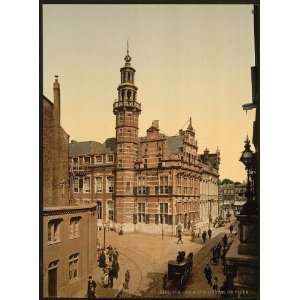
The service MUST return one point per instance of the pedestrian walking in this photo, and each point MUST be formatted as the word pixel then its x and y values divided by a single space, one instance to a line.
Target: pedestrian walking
pixel 215 258
pixel 208 273
pixel 199 233
pixel 91 289
pixel 204 236
pixel 105 278
pixel 102 260
pixel 115 268
pixel 209 233
pixel 179 237
pixel 115 253
pixel 231 228
pixel 127 278
pixel 215 284
pixel 193 235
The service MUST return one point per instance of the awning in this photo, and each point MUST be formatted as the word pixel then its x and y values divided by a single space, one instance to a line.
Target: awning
pixel 239 203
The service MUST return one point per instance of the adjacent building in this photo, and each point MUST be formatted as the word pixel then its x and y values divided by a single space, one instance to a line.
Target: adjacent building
pixel 232 197
pixel 69 228
pixel 145 183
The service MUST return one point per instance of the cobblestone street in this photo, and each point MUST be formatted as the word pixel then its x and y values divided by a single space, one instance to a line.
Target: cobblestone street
pixel 146 257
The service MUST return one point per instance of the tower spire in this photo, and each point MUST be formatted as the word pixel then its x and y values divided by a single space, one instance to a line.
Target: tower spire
pixel 127 58
pixel 190 127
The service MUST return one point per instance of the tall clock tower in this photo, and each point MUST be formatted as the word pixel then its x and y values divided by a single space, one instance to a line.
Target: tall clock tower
pixel 127 111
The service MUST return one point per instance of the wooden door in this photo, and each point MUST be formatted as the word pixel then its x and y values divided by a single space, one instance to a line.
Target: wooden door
pixel 52 282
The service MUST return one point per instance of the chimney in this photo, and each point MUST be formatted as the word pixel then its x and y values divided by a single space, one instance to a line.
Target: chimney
pixel 56 98
pixel 155 124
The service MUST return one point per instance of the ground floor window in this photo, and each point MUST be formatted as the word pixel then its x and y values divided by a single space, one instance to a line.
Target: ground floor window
pixel 110 210
pixel 141 213
pixel 99 210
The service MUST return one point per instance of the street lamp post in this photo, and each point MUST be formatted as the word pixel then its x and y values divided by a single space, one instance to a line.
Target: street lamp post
pixel 104 236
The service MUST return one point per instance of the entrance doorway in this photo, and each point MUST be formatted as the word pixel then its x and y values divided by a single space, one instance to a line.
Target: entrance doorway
pixel 52 280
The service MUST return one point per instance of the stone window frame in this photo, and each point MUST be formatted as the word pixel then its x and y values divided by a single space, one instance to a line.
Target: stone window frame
pixel 99 209
pixel 109 158
pixel 73 161
pixel 141 185
pixel 141 212
pixel 95 184
pixel 76 179
pixel 84 185
pixel 108 190
pixel 99 162
pixel 164 214
pixel 74 227
pixel 110 208
pixel 87 157
pixel 163 184
pixel 54 227
pixel 74 267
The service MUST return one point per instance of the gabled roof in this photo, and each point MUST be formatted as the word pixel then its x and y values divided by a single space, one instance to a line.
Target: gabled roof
pixel 174 143
pixel 92 147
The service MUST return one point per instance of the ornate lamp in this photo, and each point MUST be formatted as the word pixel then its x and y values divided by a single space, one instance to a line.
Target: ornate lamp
pixel 247 156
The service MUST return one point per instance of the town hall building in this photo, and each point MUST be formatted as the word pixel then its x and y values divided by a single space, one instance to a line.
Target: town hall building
pixel 145 183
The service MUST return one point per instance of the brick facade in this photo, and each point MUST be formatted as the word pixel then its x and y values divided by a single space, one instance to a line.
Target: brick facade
pixel 158 180
pixel 69 230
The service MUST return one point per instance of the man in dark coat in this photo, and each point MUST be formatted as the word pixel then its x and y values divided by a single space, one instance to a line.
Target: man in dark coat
pixel 127 278
pixel 231 228
pixel 209 233
pixel 91 290
pixel 102 260
pixel 204 236
pixel 179 236
pixel 115 268
pixel 208 273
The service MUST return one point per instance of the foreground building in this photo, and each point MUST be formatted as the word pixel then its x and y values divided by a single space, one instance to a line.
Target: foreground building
pixel 69 229
pixel 243 256
pixel 149 183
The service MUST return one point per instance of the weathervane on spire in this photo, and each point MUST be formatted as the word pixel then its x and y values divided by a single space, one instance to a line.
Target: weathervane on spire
pixel 127 57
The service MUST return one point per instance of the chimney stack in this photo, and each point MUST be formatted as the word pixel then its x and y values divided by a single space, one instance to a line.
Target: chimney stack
pixel 155 124
pixel 56 98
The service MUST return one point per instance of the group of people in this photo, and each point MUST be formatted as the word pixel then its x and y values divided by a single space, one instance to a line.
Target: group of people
pixel 195 234
pixel 109 263
pixel 202 235
pixel 218 251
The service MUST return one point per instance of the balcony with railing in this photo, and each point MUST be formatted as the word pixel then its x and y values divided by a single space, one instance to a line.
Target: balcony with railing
pixel 119 104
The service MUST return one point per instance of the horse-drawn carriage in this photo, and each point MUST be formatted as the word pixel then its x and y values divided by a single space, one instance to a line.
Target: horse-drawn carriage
pixel 179 272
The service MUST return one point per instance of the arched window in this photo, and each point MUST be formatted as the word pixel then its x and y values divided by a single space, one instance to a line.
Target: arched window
pixel 73 266
pixel 74 227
